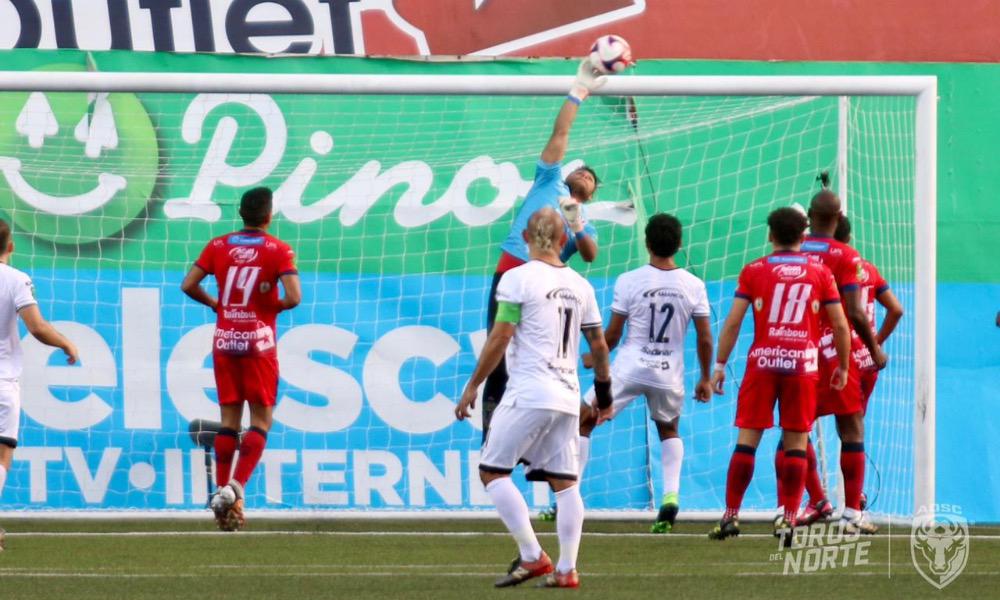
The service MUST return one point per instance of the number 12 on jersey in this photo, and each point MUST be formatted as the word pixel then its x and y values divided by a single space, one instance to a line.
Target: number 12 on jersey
pixel 660 336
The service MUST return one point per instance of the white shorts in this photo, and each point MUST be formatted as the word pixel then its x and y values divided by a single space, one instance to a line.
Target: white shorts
pixel 546 441
pixel 664 405
pixel 10 411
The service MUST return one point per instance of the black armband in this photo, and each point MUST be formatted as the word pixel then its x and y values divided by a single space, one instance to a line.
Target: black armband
pixel 602 391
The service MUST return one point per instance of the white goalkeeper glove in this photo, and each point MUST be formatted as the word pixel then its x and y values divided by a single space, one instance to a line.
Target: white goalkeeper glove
pixel 571 212
pixel 587 80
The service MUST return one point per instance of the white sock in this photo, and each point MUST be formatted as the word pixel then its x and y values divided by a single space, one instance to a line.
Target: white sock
pixel 569 526
pixel 671 456
pixel 3 477
pixel 513 511
pixel 584 453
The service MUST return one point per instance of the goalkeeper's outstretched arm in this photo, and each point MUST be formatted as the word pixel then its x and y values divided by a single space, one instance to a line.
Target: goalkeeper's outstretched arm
pixel 587 80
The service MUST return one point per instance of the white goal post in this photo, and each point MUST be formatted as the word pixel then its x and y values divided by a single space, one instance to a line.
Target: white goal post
pixel 922 88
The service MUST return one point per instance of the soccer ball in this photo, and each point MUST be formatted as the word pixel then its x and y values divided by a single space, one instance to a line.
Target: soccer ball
pixel 610 54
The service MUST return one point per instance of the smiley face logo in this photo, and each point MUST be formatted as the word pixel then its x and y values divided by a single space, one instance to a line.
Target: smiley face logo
pixel 75 167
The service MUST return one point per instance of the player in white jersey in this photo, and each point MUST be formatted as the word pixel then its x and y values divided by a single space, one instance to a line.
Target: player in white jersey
pixel 542 307
pixel 658 301
pixel 17 298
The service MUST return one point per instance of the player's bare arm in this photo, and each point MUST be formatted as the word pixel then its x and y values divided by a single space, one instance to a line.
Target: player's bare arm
pixel 703 330
pixel 602 371
pixel 587 80
pixel 859 321
pixel 893 313
pixel 727 341
pixel 192 287
pixel 613 334
pixel 842 342
pixel 293 291
pixel 493 350
pixel 555 149
pixel 587 248
pixel 44 332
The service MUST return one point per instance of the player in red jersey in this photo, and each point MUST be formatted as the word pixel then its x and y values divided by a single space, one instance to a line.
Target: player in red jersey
pixel 788 290
pixel 247 264
pixel 846 404
pixel 874 288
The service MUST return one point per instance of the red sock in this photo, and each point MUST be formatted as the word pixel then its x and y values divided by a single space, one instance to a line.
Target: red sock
pixel 250 450
pixel 814 485
pixel 738 478
pixel 225 446
pixel 793 481
pixel 779 467
pixel 852 463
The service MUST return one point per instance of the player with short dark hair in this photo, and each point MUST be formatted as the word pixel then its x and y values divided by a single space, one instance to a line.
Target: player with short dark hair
pixel 19 301
pixel 788 290
pixel 248 265
pixel 657 301
pixel 543 307
pixel 548 190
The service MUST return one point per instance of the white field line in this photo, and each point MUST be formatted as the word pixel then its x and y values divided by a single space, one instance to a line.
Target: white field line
pixel 26 534
pixel 326 574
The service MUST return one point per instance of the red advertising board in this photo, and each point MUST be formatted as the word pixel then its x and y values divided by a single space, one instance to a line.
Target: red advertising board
pixel 877 30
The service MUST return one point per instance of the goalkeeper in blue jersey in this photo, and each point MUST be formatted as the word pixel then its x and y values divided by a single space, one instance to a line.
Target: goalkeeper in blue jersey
pixel 548 190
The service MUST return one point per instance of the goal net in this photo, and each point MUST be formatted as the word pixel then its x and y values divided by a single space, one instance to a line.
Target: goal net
pixel 396 205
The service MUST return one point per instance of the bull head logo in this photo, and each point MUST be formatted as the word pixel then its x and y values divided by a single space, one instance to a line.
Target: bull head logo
pixel 939 546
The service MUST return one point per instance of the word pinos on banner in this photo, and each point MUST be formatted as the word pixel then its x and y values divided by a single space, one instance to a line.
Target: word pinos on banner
pixel 939 544
pixel 76 167
pixel 488 27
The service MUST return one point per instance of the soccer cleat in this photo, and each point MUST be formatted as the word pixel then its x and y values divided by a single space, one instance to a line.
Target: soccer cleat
pixel 235 517
pixel 864 502
pixel 221 501
pixel 783 530
pixel 858 525
pixel 556 579
pixel 227 505
pixel 548 514
pixel 522 571
pixel 821 511
pixel 665 518
pixel 726 528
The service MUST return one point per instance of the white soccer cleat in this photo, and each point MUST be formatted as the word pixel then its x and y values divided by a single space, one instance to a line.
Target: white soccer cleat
pixel 858 525
pixel 227 504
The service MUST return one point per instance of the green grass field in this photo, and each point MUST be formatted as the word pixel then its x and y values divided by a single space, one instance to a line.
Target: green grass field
pixel 79 560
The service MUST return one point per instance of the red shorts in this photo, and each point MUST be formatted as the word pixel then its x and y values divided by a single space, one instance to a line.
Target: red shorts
pixel 250 378
pixel 795 394
pixel 847 401
pixel 868 379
